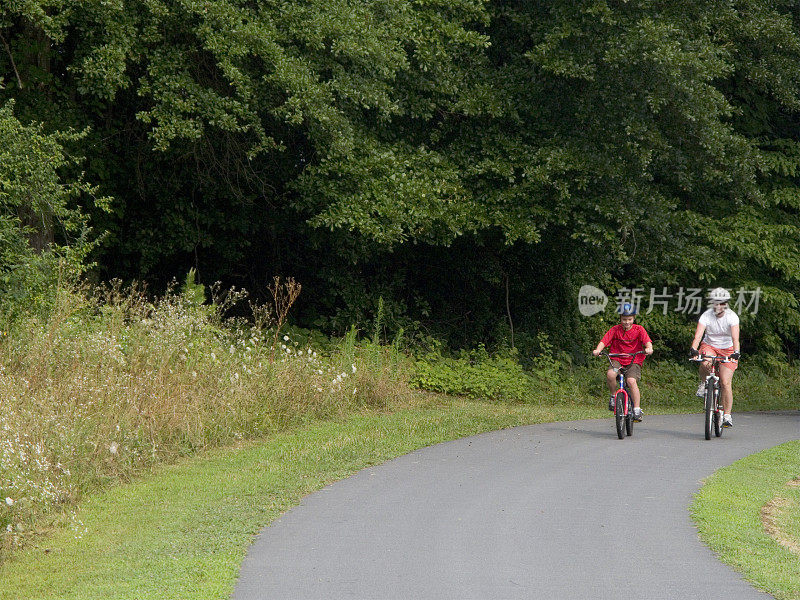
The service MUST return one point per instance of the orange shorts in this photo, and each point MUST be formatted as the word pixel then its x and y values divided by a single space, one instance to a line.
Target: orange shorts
pixel 711 351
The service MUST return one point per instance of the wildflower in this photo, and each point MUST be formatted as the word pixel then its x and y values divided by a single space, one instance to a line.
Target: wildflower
pixel 194 373
pixel 286 338
pixel 213 356
pixel 354 368
pixel 113 448
pixel 10 501
pixel 9 528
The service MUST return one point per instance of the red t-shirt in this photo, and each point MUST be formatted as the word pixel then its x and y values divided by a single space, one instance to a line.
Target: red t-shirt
pixel 617 340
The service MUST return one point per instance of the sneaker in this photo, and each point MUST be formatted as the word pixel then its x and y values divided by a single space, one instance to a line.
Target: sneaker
pixel 637 415
pixel 701 389
pixel 727 421
pixel 611 404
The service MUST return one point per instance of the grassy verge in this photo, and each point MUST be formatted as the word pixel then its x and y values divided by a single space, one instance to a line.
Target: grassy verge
pixel 182 532
pixel 728 513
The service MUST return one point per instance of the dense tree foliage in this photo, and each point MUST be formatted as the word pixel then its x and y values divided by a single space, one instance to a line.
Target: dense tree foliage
pixel 471 162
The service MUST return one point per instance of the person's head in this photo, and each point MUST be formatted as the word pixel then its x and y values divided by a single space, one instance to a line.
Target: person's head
pixel 627 314
pixel 719 298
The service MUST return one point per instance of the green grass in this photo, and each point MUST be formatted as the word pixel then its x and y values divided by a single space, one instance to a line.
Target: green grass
pixel 728 513
pixel 182 532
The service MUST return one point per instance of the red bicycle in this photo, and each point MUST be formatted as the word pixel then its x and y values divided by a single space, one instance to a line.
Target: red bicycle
pixel 623 403
pixel 712 402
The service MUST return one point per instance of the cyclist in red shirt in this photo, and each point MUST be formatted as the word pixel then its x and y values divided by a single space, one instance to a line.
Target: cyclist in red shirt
pixel 626 338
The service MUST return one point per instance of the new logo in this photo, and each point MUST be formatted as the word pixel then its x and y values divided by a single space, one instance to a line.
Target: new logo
pixel 591 300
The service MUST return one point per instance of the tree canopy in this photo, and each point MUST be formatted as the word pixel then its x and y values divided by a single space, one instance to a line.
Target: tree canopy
pixel 441 155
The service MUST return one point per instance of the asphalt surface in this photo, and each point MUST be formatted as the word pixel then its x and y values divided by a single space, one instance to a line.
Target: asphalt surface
pixel 555 511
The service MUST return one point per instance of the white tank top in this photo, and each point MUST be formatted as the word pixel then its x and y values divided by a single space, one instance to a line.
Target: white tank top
pixel 718 329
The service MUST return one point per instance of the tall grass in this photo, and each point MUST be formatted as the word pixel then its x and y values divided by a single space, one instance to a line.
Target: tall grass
pixel 109 383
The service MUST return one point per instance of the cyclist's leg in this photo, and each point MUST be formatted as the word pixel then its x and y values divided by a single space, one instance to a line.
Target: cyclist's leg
pixel 726 388
pixel 632 379
pixel 611 379
pixel 611 376
pixel 705 366
pixel 633 388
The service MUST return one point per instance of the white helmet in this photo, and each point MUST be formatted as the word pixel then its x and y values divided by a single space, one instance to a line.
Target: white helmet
pixel 719 295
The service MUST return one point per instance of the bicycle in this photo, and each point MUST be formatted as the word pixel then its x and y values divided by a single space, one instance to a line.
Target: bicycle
pixel 623 403
pixel 712 403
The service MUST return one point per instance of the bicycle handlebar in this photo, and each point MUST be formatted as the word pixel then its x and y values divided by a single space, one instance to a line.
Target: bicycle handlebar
pixel 624 354
pixel 713 358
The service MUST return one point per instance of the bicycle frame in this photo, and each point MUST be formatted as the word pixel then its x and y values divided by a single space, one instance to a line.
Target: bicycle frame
pixel 714 417
pixel 621 371
pixel 623 411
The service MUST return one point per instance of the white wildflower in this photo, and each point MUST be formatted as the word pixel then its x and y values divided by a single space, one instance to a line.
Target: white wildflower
pixel 286 338
pixel 354 368
pixel 10 501
pixel 113 448
pixel 194 373
pixel 9 528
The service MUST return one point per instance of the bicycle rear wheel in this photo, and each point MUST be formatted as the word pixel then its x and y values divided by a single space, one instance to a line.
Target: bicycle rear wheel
pixel 709 412
pixel 619 414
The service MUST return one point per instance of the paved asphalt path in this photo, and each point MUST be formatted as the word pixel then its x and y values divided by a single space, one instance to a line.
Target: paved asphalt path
pixel 555 511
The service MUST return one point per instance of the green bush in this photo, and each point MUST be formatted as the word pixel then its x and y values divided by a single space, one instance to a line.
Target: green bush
pixel 475 374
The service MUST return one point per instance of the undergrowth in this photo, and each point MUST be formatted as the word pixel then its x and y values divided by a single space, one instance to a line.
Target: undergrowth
pixel 109 383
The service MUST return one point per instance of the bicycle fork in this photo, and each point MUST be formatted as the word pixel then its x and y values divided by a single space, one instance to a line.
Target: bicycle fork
pixel 713 381
pixel 621 388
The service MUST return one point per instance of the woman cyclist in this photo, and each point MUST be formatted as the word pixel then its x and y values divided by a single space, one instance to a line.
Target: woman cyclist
pixel 626 338
pixel 720 326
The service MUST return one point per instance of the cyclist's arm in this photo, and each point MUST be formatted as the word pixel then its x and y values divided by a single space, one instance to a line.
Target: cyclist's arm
pixel 648 348
pixel 608 337
pixel 698 335
pixel 735 336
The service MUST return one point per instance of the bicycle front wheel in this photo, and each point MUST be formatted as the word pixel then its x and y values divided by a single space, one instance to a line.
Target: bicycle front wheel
pixel 709 413
pixel 629 418
pixel 619 414
pixel 717 418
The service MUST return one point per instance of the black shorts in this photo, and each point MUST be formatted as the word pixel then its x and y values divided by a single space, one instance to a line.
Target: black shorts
pixel 634 370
